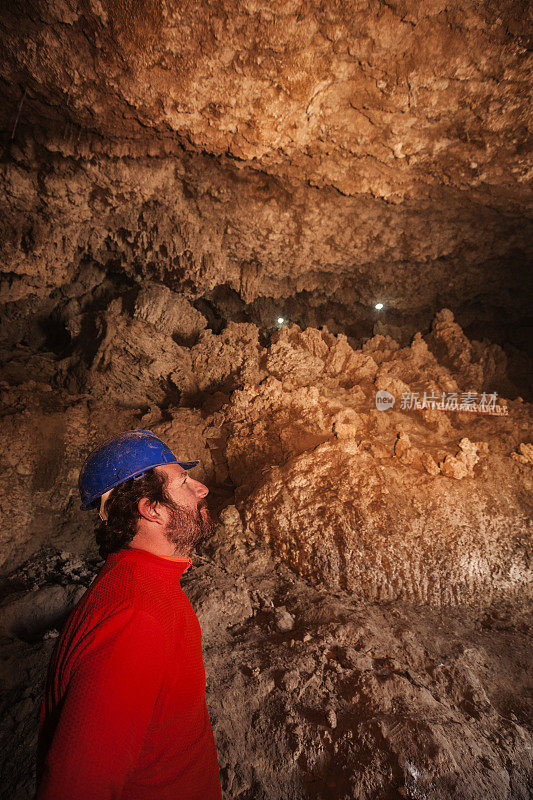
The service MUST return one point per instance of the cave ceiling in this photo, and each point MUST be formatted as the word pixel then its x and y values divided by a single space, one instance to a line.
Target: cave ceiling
pixel 340 152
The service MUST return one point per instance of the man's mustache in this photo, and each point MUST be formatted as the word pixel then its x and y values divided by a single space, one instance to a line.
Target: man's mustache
pixel 199 505
pixel 203 505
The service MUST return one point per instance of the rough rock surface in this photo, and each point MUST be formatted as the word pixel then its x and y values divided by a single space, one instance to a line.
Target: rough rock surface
pixel 348 520
pixel 355 152
pixel 412 503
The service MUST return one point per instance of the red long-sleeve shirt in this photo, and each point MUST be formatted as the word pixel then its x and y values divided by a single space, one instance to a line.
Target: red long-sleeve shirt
pixel 124 715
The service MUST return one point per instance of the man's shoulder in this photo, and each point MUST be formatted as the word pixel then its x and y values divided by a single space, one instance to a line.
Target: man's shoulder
pixel 102 613
pixel 125 587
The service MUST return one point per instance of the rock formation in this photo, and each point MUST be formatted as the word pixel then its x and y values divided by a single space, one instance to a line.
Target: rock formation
pixel 336 153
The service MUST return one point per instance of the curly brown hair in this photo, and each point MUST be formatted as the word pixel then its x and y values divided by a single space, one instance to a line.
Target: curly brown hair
pixel 123 513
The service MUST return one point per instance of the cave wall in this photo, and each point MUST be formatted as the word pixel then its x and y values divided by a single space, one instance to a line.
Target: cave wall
pixel 422 505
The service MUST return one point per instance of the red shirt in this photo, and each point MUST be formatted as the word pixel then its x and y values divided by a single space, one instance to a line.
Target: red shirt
pixel 124 715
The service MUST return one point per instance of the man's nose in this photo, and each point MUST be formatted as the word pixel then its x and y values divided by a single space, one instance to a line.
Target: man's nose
pixel 200 489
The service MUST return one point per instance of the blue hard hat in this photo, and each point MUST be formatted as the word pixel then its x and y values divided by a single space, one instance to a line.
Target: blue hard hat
pixel 127 455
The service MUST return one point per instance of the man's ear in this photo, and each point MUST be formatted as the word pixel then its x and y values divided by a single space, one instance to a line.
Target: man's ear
pixel 151 511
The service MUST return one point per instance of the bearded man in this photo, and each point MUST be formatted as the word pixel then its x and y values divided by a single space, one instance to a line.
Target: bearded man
pixel 124 715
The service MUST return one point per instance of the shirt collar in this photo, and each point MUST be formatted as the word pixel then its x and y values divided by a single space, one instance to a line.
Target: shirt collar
pixel 177 558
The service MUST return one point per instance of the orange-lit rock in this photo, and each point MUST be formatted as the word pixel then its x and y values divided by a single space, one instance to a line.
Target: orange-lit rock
pixel 327 156
pixel 345 519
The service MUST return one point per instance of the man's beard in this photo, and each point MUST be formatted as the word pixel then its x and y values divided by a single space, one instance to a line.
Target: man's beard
pixel 187 527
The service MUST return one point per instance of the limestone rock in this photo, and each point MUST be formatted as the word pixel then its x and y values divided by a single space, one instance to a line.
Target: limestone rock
pixel 462 464
pixel 479 366
pixel 229 360
pixel 524 453
pixel 170 313
pixel 403 448
pixel 133 360
pixel 342 177
pixel 297 356
pixel 346 424
pixel 185 435
pixel 344 521
pixel 331 718
pixel 50 439
pixel 429 464
pixel 453 468
pixel 284 620
pixel 29 615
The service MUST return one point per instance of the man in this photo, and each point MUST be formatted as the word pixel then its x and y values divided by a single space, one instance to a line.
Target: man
pixel 124 715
